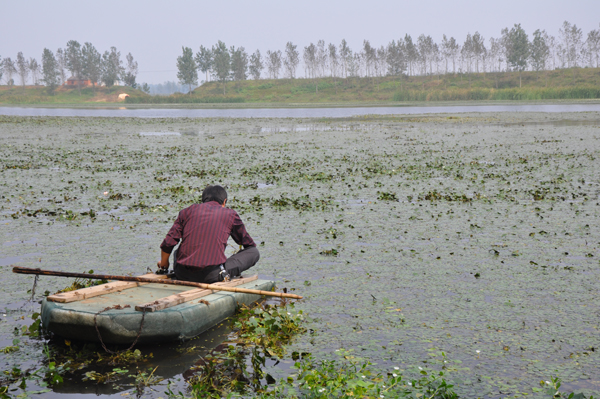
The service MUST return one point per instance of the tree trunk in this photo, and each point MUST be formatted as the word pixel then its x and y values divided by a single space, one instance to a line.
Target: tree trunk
pixel 519 78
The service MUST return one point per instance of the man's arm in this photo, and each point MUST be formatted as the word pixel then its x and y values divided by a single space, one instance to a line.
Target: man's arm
pixel 239 233
pixel 170 241
pixel 163 263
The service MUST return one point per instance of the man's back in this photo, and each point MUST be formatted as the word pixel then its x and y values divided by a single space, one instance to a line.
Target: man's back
pixel 204 230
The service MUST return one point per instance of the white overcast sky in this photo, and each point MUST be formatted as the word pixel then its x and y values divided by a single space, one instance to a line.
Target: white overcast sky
pixel 154 31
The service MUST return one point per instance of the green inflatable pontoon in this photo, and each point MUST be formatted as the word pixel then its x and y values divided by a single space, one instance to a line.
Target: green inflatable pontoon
pixel 117 312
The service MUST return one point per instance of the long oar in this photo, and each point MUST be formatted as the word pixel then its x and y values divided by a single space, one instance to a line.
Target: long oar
pixel 26 270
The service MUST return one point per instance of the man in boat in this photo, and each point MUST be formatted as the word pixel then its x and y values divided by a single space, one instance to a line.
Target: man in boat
pixel 202 231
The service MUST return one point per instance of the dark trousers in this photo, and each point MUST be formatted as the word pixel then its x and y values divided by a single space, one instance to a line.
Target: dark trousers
pixel 235 265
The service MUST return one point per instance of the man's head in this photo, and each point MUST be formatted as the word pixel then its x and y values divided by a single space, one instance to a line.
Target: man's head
pixel 214 193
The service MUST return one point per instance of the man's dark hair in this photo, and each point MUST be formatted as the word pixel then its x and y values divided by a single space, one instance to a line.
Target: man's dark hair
pixel 214 193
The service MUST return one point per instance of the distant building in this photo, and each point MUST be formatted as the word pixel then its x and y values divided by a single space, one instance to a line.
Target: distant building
pixel 73 81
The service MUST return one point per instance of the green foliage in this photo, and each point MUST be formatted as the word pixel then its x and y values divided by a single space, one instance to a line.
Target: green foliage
pixel 145 379
pixel 182 99
pixel 49 71
pixel 552 389
pixel 204 60
pixel 112 66
pixel 542 85
pixel 92 63
pixel 539 50
pixel 74 58
pixel 386 196
pixel 514 94
pixel 518 48
pixel 61 94
pixel 187 70
pixel 265 86
pixel 329 252
pixel 261 332
pixel 269 327
pixel 221 62
pixel 35 329
pixel 79 283
pixel 352 377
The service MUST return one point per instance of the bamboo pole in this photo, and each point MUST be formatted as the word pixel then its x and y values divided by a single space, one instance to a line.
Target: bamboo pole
pixel 26 270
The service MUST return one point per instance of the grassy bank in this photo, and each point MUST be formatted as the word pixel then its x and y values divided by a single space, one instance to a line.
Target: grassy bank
pixel 14 95
pixel 547 85
pixel 564 84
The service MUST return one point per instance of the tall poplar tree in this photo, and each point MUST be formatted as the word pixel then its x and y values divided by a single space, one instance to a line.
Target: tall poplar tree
pixel 291 60
pixel 50 73
pixel 130 72
pixel 74 60
pixel 412 54
pixel 239 63
pixel 187 70
pixel 34 68
pixel 204 60
pixel 256 65
pixel 222 63
pixel 539 50
pixel 92 63
pixel 112 67
pixel 9 70
pixel 22 68
pixel 593 43
pixel 274 63
pixel 61 64
pixel 518 49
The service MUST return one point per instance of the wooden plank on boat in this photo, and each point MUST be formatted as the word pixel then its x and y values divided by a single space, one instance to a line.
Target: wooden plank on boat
pixel 90 292
pixel 190 295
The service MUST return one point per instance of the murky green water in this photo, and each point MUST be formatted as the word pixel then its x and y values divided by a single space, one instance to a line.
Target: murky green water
pixel 405 235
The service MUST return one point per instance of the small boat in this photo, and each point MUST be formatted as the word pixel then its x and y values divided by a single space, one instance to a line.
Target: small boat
pixel 124 312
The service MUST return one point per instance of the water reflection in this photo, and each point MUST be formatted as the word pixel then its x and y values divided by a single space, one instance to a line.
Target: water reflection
pixel 172 359
pixel 293 112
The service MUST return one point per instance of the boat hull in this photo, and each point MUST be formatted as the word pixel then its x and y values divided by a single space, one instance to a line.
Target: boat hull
pixel 121 324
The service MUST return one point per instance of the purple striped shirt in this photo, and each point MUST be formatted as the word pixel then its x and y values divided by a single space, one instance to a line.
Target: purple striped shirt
pixel 204 230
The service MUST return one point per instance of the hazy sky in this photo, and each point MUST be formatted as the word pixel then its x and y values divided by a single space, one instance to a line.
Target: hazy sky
pixel 154 31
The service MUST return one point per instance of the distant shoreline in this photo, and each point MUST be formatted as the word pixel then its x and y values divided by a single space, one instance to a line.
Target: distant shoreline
pixel 301 105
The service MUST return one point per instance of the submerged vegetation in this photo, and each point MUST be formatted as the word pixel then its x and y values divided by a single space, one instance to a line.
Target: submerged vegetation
pixel 416 240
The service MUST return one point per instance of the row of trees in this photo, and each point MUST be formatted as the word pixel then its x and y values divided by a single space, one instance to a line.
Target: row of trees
pixel 512 50
pixel 82 62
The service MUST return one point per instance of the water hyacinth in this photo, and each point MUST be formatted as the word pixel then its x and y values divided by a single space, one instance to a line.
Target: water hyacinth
pixel 408 236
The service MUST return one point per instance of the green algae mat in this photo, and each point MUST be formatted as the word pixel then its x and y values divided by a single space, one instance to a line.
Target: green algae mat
pixel 475 235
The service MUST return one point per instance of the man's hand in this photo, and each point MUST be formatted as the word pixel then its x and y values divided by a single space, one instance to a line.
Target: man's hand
pixel 163 263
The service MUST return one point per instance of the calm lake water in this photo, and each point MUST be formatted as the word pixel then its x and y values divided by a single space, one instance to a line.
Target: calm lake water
pixel 292 112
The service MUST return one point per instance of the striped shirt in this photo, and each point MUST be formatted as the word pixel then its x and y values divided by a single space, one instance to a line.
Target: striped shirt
pixel 204 230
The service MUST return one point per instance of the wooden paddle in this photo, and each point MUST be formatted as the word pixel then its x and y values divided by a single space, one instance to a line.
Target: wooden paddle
pixel 26 270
